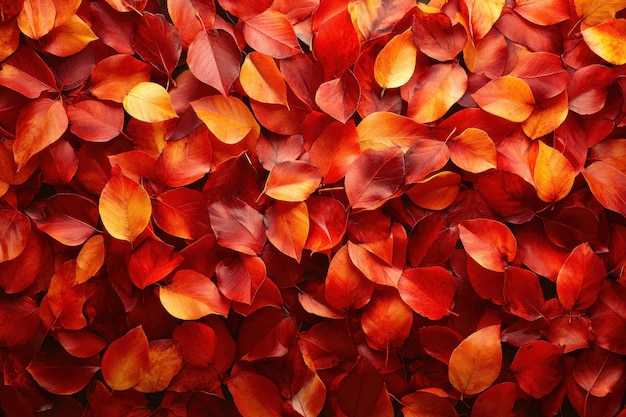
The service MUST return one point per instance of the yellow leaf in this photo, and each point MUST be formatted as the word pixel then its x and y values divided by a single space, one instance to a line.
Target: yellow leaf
pixel 608 40
pixel 595 12
pixel 553 174
pixel 475 363
pixel 228 118
pixel 481 15
pixel 395 63
pixel 149 102
pixel 507 97
pixel 261 79
pixel 125 208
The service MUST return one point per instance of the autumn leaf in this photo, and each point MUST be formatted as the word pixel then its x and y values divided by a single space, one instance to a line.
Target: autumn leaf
pixel 580 278
pixel 475 363
pixel 490 243
pixel 149 102
pixel 292 181
pixel 426 404
pixel 126 360
pixel 429 291
pixel 395 63
pixel 227 118
pixel 508 97
pixel 165 359
pixel 607 184
pixel 261 79
pixel 553 174
pixel 473 150
pixel 287 225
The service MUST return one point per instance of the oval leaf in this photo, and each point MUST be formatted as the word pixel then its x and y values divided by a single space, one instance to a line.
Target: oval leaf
pixel 473 150
pixel 490 243
pixel 507 97
pixel 287 227
pixel 428 291
pixel 126 360
pixel 227 118
pixel 580 278
pixel 237 226
pixel 292 181
pixel 395 63
pixel 553 174
pixel 191 295
pixel 149 102
pixel 261 79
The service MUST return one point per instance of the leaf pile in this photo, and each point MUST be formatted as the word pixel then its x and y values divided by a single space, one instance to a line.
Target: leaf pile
pixel 354 208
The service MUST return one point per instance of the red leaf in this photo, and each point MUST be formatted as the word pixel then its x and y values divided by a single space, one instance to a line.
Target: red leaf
pixel 424 157
pixel 339 97
pixel 580 278
pixel 543 12
pixel 523 294
pixel 538 368
pixel 50 369
pixel 240 277
pixel 185 160
pixel 126 360
pixel 15 228
pixel 191 17
pixel 608 185
pixel 598 371
pixel 214 59
pixel 287 227
pixel 422 403
pixel 251 399
pixel 95 121
pixel 272 150
pixel 428 291
pixel 374 177
pixel 245 9
pixel 439 341
pixel 19 320
pixel 359 391
pixel 386 321
pixel 25 72
pixel 490 243
pixel 182 212
pixel 266 333
pixel 66 299
pixel 327 223
pixel 334 150
pixel 271 33
pixel 336 44
pixel 437 37
pixel 151 262
pixel 346 287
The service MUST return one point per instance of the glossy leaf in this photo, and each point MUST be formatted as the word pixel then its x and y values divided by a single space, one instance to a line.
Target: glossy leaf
pixel 607 185
pixel 126 360
pixel 475 364
pixel 481 15
pixel 339 97
pixel 437 37
pixel 185 13
pixel 346 287
pixel 536 359
pixel 386 321
pixel 437 191
pixel 334 150
pixel 271 33
pixel 428 291
pixel 490 243
pixel 544 12
pixel 95 121
pixel 151 262
pixel 191 295
pixel 395 63
pixel 181 212
pixel 261 79
pixel 15 228
pixel 186 160
pixel 327 223
pixel 114 77
pixel 227 118
pixel 553 174
pixel 473 150
pixel 287 227
pixel 49 368
pixel 385 129
pixel 125 208
pixel 90 258
pixel 36 19
pixel 292 181
pixel 157 42
pixel 508 97
pixel 580 278
pixel 149 102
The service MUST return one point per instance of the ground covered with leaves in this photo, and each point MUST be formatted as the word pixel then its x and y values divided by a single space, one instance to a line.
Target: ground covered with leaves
pixel 342 208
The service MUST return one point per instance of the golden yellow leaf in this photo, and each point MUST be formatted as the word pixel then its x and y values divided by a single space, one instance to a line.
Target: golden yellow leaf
pixel 553 174
pixel 395 63
pixel 261 79
pixel 228 118
pixel 149 102
pixel 546 118
pixel 608 40
pixel 595 12
pixel 69 38
pixel 90 259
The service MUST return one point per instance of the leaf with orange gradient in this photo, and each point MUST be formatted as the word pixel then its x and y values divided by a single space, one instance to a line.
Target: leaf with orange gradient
pixel 374 177
pixel 151 262
pixel 15 229
pixel 95 120
pixel 596 12
pixel 384 129
pixel 261 79
pixel 36 19
pixel 553 174
pixel 507 97
pixel 191 296
pixel 149 102
pixel 126 361
pixel 611 151
pixel 165 359
pixel 271 33
pixel 40 123
pixel 339 97
pixel 255 395
pixel 346 287
pixel 287 227
pixel 90 259
pixel 327 223
pixel 424 157
pixel 429 291
pixel 214 58
pixel 473 150
pixel 191 17
pixel 598 371
pixel 69 38
pixel 395 63
pixel 543 12
pixel 490 243
pixel 182 212
pixel 436 37
pixel 608 40
pixel 608 185
pixel 124 207
pixel 292 181
pixel 228 118
pixel 240 277
pixel 437 191
pixel 185 160
pixel 386 321
pixel 426 404
pixel 9 38
pixel 475 363
pixel 10 9
pixel 547 116
pixel 580 278
pixel 237 226
pixel 334 150
pixel 115 76
pixel 481 15
pixel 440 87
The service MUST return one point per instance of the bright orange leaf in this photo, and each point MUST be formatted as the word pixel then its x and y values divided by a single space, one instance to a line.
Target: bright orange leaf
pixel 149 102
pixel 490 243
pixel 165 360
pixel 508 97
pixel 126 361
pixel 261 79
pixel 386 321
pixel 292 181
pixel 383 129
pixel 475 363
pixel 191 295
pixel 473 150
pixel 334 150
pixel 346 287
pixel 437 191
pixel 608 40
pixel 547 116
pixel 553 174
pixel 69 38
pixel 90 258
pixel 580 278
pixel 481 15
pixel 608 185
pixel 240 277
pixel 543 12
pixel 116 75
pixel 287 227
pixel 395 63
pixel 596 12
pixel 36 18
pixel 227 118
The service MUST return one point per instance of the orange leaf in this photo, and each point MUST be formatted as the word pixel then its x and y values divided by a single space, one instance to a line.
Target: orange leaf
pixel 240 277
pixel 580 279
pixel 287 227
pixel 327 223
pixel 227 118
pixel 90 259
pixel 9 38
pixel 384 129
pixel 292 181
pixel 339 97
pixel 69 38
pixel 436 37
pixel 124 207
pixel 608 185
pixel 440 87
pixel 237 226
pixel 595 12
pixel 182 212
pixel 475 363
pixel 124 6
pixel 481 15
pixel 553 174
pixel 395 63
pixel 429 291
pixel 190 18
pixel 95 120
pixel 149 102
pixel 608 40
pixel 15 229
pixel 547 116
pixel 543 12
pixel 255 395
pixel 611 151
pixel 437 191
pixel 425 404
pixel 126 361
pixel 40 123
pixel 507 97
pixel 151 262
pixel 334 150
pixel 473 150
pixel 346 287
pixel 386 321
pixel 165 359
pixel 490 243
pixel 191 295
pixel 261 79
pixel 116 75
pixel 36 18
pixel 271 33
pixel 185 160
